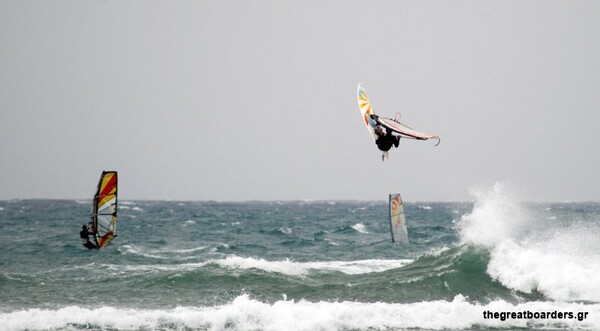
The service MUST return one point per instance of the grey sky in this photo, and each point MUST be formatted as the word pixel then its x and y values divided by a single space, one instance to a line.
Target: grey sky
pixel 244 100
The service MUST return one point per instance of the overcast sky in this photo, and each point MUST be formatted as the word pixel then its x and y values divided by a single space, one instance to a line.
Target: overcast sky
pixel 256 100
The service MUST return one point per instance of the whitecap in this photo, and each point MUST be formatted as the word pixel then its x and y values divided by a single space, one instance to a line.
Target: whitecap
pixel 360 228
pixel 292 268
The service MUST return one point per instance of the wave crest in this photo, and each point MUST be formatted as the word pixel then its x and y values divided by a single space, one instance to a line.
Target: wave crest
pixel 531 251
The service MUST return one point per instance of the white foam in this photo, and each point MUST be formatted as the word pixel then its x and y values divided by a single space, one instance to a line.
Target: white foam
pixel 292 268
pixel 136 250
pixel 162 253
pixel 244 313
pixel 186 250
pixel 437 251
pixel 285 230
pixel 531 252
pixel 564 267
pixel 360 228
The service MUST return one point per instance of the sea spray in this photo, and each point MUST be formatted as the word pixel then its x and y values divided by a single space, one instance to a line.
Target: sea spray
pixel 530 252
pixel 496 217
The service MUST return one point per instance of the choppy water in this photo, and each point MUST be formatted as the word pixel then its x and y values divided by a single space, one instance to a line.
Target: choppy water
pixel 319 265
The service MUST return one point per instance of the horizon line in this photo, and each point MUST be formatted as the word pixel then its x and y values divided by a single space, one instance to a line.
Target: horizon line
pixel 287 200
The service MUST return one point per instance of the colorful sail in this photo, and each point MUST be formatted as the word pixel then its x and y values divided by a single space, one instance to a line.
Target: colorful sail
pixel 397 219
pixel 104 209
pixel 366 111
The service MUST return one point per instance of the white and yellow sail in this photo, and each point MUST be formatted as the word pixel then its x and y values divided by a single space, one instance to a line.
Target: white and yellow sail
pixel 397 219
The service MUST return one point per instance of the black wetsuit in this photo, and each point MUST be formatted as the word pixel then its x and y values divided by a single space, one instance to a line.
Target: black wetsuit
pixel 385 142
pixel 85 239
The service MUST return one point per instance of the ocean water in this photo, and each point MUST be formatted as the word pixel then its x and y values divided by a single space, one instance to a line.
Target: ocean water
pixel 303 265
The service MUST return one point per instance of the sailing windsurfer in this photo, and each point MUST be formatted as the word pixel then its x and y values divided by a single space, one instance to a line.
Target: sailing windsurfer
pixel 85 237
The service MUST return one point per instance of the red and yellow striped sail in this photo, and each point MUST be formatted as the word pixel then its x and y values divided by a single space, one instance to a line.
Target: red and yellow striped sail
pixel 104 209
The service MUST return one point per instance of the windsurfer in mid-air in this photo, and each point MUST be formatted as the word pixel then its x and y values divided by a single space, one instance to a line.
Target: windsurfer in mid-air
pixel 394 129
pixel 386 140
pixel 85 237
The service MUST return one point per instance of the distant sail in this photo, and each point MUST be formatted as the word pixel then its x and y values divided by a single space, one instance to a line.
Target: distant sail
pixel 397 219
pixel 104 209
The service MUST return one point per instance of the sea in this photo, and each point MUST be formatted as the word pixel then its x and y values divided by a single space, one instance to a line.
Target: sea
pixel 493 263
